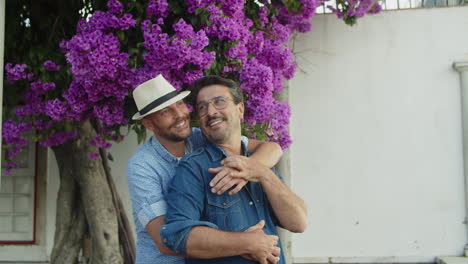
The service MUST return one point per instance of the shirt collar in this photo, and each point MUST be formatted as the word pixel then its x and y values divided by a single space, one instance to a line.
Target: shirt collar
pixel 162 151
pixel 217 153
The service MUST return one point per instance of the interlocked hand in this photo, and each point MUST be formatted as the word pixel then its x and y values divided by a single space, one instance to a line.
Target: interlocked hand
pixel 265 249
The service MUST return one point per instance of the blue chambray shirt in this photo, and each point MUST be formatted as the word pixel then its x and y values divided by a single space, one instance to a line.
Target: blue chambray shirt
pixel 191 203
pixel 149 172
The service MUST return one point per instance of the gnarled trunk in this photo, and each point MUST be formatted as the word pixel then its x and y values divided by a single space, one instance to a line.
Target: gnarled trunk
pixel 88 201
pixel 70 221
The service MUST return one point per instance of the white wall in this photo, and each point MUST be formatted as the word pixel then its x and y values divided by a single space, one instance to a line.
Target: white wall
pixel 122 152
pixel 376 124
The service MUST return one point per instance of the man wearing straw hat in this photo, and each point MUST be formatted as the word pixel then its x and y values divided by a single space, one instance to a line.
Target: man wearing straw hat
pixel 162 111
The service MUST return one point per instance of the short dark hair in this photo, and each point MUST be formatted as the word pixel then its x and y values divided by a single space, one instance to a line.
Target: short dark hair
pixel 233 87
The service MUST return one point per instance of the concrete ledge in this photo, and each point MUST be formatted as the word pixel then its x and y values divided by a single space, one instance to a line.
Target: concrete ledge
pixel 452 260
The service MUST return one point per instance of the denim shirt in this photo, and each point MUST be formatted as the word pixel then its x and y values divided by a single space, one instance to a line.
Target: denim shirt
pixel 191 203
pixel 149 172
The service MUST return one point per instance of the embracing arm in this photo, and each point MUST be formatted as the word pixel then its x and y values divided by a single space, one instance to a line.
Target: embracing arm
pixel 267 153
pixel 289 208
pixel 146 191
pixel 153 230
pixel 206 243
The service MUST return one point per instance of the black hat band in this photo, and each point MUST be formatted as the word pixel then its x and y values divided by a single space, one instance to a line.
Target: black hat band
pixel 158 102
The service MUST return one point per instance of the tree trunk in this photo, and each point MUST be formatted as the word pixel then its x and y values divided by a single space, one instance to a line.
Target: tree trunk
pixel 70 220
pixel 87 179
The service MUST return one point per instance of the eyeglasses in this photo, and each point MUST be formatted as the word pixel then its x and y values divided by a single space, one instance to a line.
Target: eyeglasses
pixel 219 102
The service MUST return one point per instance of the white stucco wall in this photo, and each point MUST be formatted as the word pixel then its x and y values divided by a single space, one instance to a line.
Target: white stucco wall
pixel 376 124
pixel 122 152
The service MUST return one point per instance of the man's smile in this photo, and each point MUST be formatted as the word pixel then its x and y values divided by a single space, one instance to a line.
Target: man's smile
pixel 181 123
pixel 213 121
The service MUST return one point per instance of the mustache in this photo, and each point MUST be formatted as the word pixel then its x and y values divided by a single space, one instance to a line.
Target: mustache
pixel 215 117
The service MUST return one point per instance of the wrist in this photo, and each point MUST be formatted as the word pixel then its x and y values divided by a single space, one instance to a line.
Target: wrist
pixel 248 243
pixel 264 175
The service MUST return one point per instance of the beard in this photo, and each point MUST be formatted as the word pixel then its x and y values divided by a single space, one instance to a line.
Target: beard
pixel 173 136
pixel 220 135
pixel 169 135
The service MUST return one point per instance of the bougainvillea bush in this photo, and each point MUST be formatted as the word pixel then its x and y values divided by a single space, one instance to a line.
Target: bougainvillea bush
pixel 115 50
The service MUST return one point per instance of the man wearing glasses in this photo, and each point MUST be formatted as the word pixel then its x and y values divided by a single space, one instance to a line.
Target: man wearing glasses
pixel 196 212
pixel 149 171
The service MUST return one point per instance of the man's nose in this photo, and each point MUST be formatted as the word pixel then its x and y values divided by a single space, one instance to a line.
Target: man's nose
pixel 179 112
pixel 211 110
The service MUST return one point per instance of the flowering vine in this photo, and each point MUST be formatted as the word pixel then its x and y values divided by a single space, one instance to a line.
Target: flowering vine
pixel 115 50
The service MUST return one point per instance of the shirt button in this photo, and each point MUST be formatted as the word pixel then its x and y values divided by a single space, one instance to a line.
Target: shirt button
pixel 224 204
pixel 163 227
pixel 258 201
pixel 250 202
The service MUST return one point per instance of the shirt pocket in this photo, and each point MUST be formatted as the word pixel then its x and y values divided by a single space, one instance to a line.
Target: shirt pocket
pixel 226 212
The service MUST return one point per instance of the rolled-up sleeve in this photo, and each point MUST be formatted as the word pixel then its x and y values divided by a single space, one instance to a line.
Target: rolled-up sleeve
pixel 185 206
pixel 146 191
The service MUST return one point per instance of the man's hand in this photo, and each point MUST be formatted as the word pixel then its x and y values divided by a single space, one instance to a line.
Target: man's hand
pixel 235 169
pixel 224 181
pixel 246 168
pixel 265 250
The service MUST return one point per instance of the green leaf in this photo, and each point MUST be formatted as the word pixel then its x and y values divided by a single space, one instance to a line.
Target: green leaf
pixel 293 6
pixel 194 20
pixel 350 20
pixel 176 7
pixel 38 137
pixel 67 126
pixel 121 35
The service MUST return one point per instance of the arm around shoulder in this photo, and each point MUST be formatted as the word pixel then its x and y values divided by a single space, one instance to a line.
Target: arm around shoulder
pixel 289 208
pixel 267 153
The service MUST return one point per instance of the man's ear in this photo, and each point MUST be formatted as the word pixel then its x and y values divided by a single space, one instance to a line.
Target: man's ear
pixel 147 124
pixel 241 110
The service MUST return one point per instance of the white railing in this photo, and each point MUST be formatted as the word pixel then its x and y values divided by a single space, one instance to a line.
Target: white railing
pixel 402 4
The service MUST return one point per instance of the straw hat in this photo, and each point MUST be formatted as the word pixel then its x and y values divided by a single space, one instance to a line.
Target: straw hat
pixel 155 94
